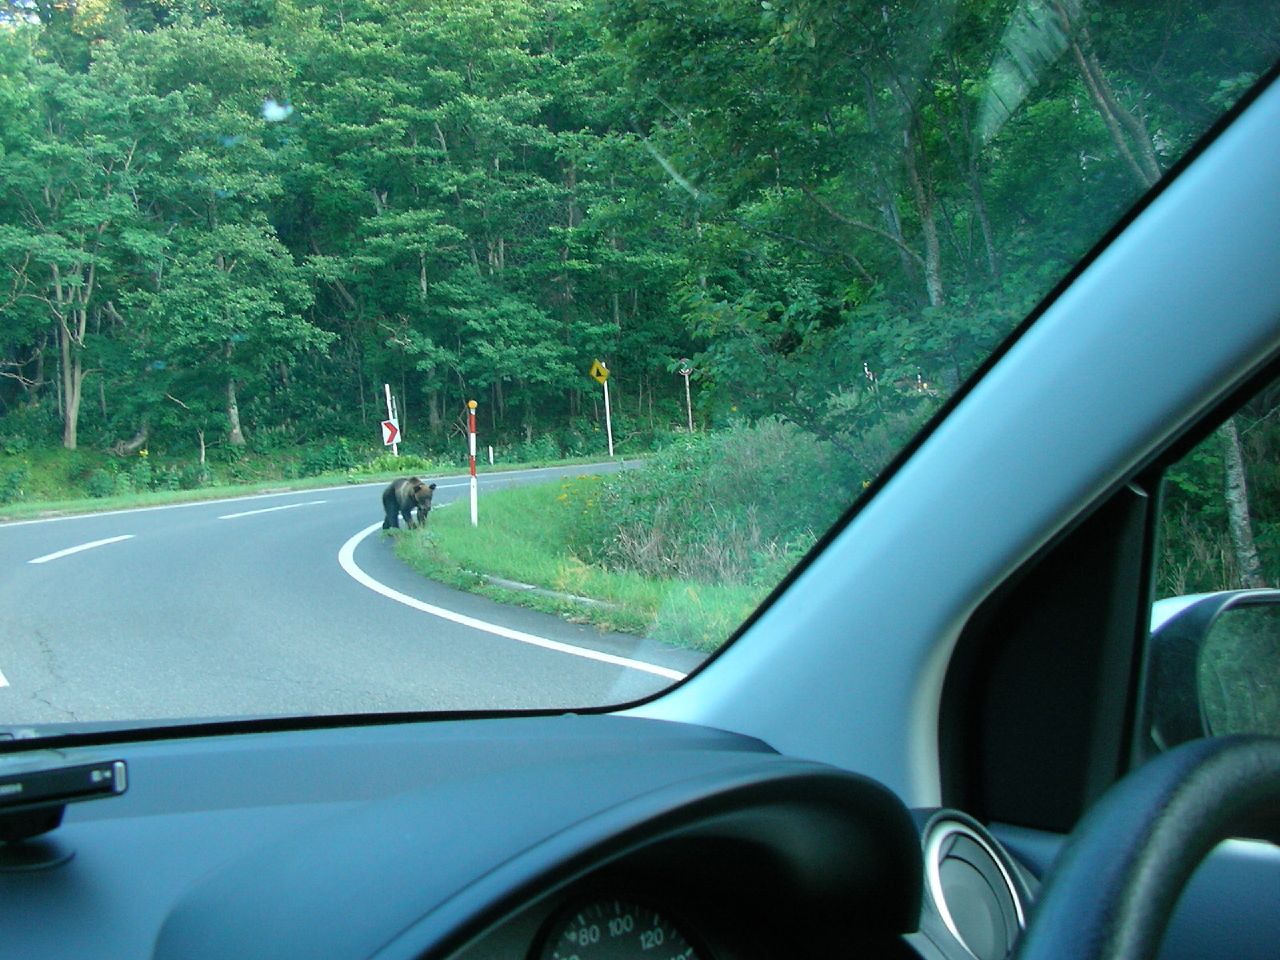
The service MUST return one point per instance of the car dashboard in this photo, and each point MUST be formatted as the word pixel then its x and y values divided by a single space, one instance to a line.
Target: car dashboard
pixel 526 838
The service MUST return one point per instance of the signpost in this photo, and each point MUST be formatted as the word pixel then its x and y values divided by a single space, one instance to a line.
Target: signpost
pixel 686 368
pixel 391 438
pixel 600 374
pixel 471 444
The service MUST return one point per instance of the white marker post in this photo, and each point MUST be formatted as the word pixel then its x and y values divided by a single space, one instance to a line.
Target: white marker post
pixel 391 415
pixel 600 374
pixel 608 420
pixel 471 443
pixel 685 369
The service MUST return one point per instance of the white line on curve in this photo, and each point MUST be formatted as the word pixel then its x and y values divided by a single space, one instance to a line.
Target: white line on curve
pixel 287 506
pixel 3 680
pixel 346 557
pixel 84 546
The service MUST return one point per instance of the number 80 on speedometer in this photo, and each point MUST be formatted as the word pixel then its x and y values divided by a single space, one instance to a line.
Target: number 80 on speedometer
pixel 615 929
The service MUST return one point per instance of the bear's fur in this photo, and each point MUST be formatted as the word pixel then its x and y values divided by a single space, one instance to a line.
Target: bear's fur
pixel 402 497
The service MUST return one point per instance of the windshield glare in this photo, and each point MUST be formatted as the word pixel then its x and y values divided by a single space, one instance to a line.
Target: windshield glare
pixel 546 335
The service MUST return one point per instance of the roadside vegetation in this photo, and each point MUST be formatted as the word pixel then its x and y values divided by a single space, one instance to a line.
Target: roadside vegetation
pixel 57 481
pixel 528 534
pixel 681 548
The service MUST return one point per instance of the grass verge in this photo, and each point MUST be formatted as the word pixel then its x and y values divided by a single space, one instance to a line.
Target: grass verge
pixel 525 534
pixel 38 509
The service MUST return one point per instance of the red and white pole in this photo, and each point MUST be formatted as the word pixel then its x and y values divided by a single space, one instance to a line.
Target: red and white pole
pixel 391 415
pixel 471 443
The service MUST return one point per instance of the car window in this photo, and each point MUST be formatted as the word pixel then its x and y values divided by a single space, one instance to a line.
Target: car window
pixel 1219 525
pixel 551 336
pixel 1215 650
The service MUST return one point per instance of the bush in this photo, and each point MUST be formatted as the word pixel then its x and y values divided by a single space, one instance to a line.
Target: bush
pixel 227 453
pixel 166 478
pixel 537 450
pixel 193 476
pixel 272 439
pixel 731 507
pixel 406 464
pixel 330 458
pixel 14 485
pixel 15 446
pixel 143 475
pixel 101 483
pixel 31 425
pixel 574 442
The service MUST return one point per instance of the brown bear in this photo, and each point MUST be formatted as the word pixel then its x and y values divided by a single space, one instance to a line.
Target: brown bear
pixel 402 497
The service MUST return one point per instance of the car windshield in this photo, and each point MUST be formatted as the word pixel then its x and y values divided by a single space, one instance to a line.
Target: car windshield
pixel 390 356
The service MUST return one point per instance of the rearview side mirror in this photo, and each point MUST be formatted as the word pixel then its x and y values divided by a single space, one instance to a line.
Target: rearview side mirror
pixel 1213 668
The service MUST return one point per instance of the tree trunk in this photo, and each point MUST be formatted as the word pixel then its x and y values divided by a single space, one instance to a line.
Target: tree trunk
pixel 72 382
pixel 71 417
pixel 38 380
pixel 924 200
pixel 433 413
pixel 235 436
pixel 1237 499
pixel 1136 149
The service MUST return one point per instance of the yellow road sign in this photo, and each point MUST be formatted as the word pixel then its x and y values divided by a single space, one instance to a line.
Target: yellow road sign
pixel 599 372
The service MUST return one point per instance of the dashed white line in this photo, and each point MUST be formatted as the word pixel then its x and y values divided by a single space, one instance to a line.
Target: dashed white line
pixel 346 557
pixel 287 506
pixel 84 546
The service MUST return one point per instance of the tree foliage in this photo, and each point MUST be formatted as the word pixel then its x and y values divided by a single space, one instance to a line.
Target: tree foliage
pixel 222 217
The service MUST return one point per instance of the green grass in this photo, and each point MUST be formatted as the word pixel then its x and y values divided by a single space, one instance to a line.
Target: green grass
pixel 525 535
pixel 47 472
pixel 33 509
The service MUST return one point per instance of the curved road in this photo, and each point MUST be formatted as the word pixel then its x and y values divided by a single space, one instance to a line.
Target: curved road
pixel 243 607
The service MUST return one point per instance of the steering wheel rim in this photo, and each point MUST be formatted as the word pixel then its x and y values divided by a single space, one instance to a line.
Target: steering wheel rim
pixel 1112 890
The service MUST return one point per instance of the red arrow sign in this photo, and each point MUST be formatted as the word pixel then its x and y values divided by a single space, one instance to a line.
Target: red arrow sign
pixel 390 432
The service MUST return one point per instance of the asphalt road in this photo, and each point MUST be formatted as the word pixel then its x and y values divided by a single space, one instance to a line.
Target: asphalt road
pixel 245 608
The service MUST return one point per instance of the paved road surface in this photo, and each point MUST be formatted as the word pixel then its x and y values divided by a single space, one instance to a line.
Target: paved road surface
pixel 242 607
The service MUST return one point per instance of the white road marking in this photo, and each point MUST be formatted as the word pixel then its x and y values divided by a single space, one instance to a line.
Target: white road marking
pixel 4 682
pixel 84 546
pixel 287 506
pixel 346 557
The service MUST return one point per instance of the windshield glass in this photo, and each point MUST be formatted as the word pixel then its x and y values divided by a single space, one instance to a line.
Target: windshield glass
pixel 547 336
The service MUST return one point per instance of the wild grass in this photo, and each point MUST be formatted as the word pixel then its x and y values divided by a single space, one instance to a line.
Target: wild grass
pixel 525 534
pixel 36 475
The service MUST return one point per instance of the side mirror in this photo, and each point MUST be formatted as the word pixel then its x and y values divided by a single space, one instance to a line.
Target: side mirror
pixel 1213 668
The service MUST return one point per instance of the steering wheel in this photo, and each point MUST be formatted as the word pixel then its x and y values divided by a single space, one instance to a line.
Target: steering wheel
pixel 1112 890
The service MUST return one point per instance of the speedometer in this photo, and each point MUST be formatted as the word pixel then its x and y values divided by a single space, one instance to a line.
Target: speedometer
pixel 612 928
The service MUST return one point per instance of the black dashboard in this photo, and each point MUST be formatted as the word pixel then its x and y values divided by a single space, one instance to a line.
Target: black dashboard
pixel 525 838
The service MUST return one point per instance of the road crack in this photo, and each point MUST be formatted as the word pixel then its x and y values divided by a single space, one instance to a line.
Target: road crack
pixel 50 662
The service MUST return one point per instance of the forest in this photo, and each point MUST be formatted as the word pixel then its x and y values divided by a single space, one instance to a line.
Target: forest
pixel 226 225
